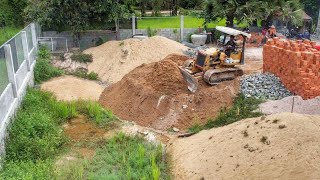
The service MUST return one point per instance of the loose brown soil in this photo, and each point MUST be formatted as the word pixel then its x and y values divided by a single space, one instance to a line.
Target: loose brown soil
pixel 156 95
pixel 280 146
pixel 81 129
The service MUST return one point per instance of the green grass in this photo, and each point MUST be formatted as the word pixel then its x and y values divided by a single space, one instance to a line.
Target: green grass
pixel 174 22
pixel 36 136
pixel 44 70
pixel 124 157
pixel 3 75
pixel 242 108
pixel 7 33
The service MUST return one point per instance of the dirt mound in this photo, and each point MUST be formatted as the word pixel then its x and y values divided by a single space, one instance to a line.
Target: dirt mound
pixel 69 88
pixel 280 146
pixel 156 95
pixel 113 59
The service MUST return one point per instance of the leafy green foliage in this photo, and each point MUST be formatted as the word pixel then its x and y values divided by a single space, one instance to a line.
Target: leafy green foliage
pixel 83 58
pixel 35 133
pixel 151 32
pixel 7 33
pixel 27 170
pixel 85 75
pixel 242 108
pixel 93 76
pixel 248 11
pixel 44 70
pixel 11 12
pixel 124 157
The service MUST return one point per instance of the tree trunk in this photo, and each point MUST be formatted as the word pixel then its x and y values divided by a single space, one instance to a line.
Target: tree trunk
pixel 318 27
pixel 229 22
pixel 255 23
pixel 174 8
pixel 117 24
pixel 143 8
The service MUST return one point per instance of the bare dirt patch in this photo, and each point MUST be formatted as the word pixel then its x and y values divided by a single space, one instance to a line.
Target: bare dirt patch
pixel 113 59
pixel 69 88
pixel 81 129
pixel 292 104
pixel 156 95
pixel 280 146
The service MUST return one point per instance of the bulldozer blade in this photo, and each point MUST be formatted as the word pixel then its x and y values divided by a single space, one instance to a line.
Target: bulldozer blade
pixel 192 81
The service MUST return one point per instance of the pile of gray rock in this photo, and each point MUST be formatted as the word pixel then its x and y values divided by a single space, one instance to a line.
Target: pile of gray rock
pixel 193 52
pixel 265 86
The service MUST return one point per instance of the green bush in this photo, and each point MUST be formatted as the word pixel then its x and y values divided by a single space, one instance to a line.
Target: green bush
pixel 83 58
pixel 27 170
pixel 92 76
pixel 151 32
pixel 35 133
pixel 44 70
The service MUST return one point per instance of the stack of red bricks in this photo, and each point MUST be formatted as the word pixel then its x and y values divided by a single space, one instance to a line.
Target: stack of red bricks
pixel 297 63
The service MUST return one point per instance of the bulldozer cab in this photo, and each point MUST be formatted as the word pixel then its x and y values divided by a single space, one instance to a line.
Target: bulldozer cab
pixel 238 53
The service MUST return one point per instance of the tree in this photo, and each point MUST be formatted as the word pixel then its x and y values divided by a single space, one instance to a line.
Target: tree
pixel 311 7
pixel 248 11
pixel 11 11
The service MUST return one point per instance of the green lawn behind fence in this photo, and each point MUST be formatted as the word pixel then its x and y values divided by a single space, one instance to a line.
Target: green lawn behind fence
pixel 174 22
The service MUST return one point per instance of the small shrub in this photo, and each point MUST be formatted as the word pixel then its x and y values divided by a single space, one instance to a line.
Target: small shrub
pixel 93 76
pixel 83 58
pixel 264 139
pixel 44 70
pixel 82 73
pixel 151 32
pixel 99 41
pixel 27 170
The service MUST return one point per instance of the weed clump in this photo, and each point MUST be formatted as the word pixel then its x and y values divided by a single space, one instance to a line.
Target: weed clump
pixel 83 58
pixel 43 69
pixel 242 108
pixel 132 157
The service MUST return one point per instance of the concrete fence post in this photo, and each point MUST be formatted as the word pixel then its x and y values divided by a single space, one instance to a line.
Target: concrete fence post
pixel 34 36
pixel 10 69
pixel 25 48
pixel 133 25
pixel 181 27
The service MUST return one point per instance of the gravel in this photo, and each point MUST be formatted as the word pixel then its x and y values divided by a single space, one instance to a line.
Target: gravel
pixel 193 52
pixel 265 86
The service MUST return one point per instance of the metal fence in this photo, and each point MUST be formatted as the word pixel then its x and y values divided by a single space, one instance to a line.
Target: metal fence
pixel 17 60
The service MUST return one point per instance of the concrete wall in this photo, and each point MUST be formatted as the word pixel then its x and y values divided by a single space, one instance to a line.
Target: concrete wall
pixel 170 33
pixel 19 80
pixel 87 39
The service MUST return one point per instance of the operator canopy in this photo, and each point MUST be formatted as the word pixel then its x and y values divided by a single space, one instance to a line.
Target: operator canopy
pixel 232 32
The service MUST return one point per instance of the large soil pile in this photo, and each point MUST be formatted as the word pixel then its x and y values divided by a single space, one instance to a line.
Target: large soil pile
pixel 280 146
pixel 113 59
pixel 156 95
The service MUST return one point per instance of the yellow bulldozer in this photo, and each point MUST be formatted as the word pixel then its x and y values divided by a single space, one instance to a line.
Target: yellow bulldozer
pixel 216 65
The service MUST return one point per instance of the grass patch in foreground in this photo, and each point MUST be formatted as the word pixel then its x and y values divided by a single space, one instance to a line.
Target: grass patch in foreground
pixel 124 157
pixel 121 157
pixel 242 108
pixel 36 136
